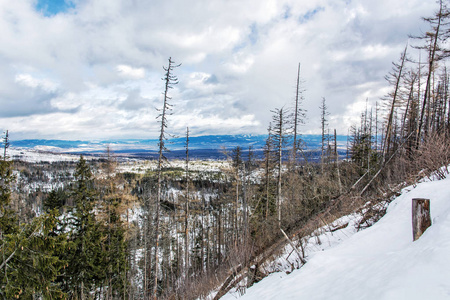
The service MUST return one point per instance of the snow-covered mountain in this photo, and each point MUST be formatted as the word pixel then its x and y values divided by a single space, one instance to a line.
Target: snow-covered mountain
pixel 201 147
pixel 133 145
pixel 381 262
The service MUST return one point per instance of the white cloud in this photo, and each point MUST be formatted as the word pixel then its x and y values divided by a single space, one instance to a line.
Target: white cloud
pixel 95 70
pixel 130 72
pixel 30 81
pixel 199 122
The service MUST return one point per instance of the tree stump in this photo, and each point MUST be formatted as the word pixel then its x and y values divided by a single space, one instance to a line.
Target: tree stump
pixel 421 219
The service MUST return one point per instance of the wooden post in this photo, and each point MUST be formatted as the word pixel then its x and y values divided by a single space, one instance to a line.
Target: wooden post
pixel 421 219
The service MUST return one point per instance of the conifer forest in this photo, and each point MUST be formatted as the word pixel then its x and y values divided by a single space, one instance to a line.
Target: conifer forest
pixel 96 228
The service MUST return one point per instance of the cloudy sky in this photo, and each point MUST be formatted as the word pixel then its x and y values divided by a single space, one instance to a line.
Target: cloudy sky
pixel 91 69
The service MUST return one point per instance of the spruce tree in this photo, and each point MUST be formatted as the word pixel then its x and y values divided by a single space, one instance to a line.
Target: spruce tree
pixel 85 270
pixel 8 222
pixel 30 260
pixel 115 201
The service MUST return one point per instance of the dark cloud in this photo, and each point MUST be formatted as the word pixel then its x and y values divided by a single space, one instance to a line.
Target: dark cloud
pixel 212 80
pixel 27 101
pixel 134 101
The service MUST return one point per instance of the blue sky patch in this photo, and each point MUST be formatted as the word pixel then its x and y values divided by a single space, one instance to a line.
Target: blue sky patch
pixel 287 12
pixel 310 14
pixel 253 36
pixel 53 7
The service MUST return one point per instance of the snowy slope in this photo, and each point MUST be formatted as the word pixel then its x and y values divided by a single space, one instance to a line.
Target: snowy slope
pixel 381 262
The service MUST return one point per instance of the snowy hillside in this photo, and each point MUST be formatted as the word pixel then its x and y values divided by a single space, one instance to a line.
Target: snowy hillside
pixel 40 155
pixel 44 154
pixel 381 262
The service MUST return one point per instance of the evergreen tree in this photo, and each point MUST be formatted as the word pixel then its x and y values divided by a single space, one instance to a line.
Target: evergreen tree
pixel 55 200
pixel 8 222
pixel 85 270
pixel 30 253
pixel 32 262
pixel 115 201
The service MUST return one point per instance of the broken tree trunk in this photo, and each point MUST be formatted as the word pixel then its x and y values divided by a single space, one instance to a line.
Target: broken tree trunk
pixel 421 219
pixel 293 247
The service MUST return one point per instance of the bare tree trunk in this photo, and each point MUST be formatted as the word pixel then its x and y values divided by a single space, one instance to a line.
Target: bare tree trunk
pixel 294 148
pixel 157 214
pixel 169 81
pixel 186 211
pixel 324 114
pixel 146 263
pixel 280 166
pixel 393 104
pixel 5 144
pixel 268 151
pixel 203 237
pixel 5 147
pixel 236 211
pixel 336 154
pixel 408 106
pixel 433 49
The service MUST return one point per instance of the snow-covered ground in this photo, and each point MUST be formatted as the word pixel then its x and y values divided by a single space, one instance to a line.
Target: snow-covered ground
pixel 141 166
pixel 36 156
pixel 381 262
pixel 134 165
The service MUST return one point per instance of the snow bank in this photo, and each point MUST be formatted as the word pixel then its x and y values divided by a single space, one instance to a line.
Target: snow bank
pixel 381 262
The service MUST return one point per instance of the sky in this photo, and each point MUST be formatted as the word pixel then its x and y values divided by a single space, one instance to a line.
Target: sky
pixel 92 69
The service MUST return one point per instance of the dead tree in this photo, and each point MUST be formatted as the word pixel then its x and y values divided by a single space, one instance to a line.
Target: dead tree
pixel 279 137
pixel 268 168
pixel 336 156
pixel 395 79
pixel 434 55
pixel 5 144
pixel 170 80
pixel 324 123
pixel 237 166
pixel 299 116
pixel 186 211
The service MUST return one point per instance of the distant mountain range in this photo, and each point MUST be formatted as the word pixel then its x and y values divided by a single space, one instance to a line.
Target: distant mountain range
pixel 207 146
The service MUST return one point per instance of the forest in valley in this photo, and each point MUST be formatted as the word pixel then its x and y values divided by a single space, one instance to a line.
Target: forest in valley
pixel 92 230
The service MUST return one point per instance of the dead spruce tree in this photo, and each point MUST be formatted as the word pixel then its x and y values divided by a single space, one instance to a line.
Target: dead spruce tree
pixel 324 125
pixel 186 211
pixel 436 36
pixel 299 117
pixel 279 142
pixel 395 79
pixel 170 80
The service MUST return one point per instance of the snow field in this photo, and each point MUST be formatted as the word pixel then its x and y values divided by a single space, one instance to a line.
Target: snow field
pixel 380 262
